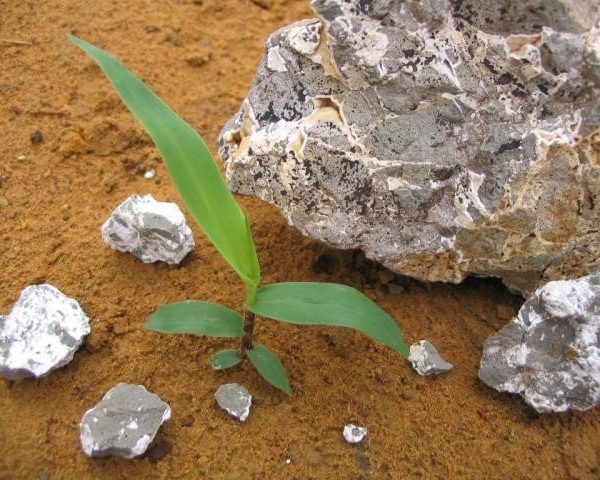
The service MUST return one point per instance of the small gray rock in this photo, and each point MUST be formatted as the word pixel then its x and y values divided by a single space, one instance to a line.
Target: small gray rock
pixel 426 360
pixel 124 423
pixel 235 400
pixel 153 231
pixel 550 353
pixel 354 434
pixel 42 333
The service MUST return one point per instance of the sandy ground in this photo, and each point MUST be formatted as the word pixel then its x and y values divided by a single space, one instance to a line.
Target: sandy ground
pixel 200 57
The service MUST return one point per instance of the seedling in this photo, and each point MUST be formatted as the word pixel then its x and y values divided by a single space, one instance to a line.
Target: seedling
pixel 212 205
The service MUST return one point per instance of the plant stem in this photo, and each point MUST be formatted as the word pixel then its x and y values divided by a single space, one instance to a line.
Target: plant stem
pixel 246 343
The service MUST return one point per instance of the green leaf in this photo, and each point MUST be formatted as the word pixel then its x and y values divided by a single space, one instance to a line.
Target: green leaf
pixel 198 318
pixel 225 359
pixel 328 304
pixel 269 366
pixel 190 165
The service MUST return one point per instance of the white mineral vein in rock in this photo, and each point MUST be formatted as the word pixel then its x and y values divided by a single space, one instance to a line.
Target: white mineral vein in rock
pixel 123 423
pixel 152 231
pixel 550 354
pixel 42 333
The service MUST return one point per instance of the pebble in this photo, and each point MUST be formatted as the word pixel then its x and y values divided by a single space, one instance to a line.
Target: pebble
pixel 152 231
pixel 235 400
pixel 42 333
pixel 123 423
pixel 426 360
pixel 354 434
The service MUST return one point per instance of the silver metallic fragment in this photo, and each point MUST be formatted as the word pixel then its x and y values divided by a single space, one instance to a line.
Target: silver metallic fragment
pixel 123 423
pixel 153 231
pixel 354 434
pixel 42 333
pixel 426 360
pixel 235 400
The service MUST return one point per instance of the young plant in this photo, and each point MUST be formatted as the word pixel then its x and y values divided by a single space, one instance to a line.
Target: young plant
pixel 214 208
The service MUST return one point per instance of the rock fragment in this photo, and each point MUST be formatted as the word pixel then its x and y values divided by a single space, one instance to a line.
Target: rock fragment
pixel 123 423
pixel 442 138
pixel 42 333
pixel 354 434
pixel 550 353
pixel 235 400
pixel 426 360
pixel 153 231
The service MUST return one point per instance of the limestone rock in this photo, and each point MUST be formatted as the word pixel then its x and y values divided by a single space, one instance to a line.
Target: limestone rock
pixel 42 333
pixel 354 434
pixel 153 231
pixel 550 354
pixel 123 423
pixel 441 138
pixel 235 400
pixel 426 360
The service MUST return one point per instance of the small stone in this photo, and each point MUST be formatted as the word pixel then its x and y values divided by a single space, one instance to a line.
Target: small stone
pixel 150 174
pixel 354 434
pixel 152 231
pixel 550 353
pixel 426 360
pixel 42 333
pixel 36 137
pixel 21 157
pixel 123 423
pixel 235 400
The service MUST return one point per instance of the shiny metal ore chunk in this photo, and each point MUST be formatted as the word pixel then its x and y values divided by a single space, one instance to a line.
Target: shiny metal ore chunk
pixel 426 360
pixel 42 333
pixel 235 400
pixel 152 231
pixel 123 423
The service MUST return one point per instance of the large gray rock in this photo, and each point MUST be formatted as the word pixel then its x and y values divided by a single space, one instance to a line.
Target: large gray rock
pixel 42 333
pixel 441 138
pixel 550 354
pixel 123 423
pixel 152 231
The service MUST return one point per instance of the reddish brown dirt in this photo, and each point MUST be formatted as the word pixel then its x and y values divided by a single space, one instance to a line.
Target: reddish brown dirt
pixel 200 57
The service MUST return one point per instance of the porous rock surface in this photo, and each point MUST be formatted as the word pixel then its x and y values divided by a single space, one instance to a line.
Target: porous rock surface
pixel 152 231
pixel 41 333
pixel 550 354
pixel 442 138
pixel 426 360
pixel 123 423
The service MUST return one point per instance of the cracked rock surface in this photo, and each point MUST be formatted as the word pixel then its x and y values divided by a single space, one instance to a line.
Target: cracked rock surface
pixel 550 354
pixel 123 423
pixel 152 231
pixel 426 360
pixel 441 138
pixel 42 333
